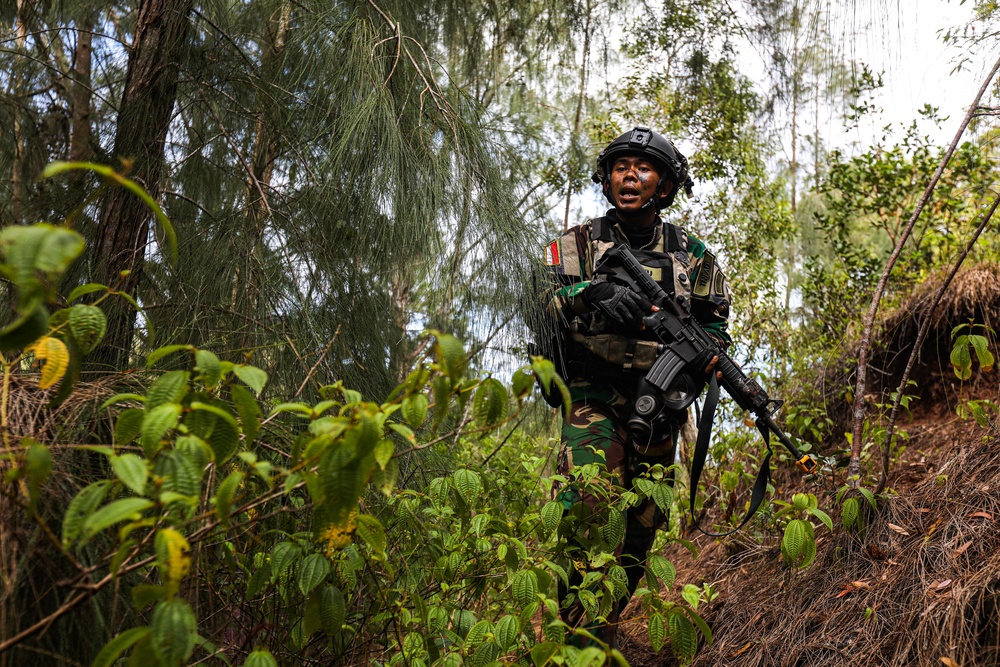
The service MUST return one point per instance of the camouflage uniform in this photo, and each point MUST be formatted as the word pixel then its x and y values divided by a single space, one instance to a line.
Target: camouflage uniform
pixel 602 365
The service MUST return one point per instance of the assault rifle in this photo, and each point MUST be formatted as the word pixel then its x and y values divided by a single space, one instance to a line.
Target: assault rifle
pixel 674 382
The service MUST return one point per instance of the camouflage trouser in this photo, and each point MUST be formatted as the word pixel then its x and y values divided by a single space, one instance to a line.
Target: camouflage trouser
pixel 597 423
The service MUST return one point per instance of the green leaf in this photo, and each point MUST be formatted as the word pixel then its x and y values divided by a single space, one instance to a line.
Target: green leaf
pixel 552 512
pixel 489 406
pixel 207 364
pixel 524 588
pixel 384 451
pixel 477 634
pixel 161 352
pixel 800 501
pixel 521 382
pixel 869 496
pixel 567 400
pixel 981 346
pixel 129 425
pixel 385 480
pixel 702 625
pixel 132 470
pixel 414 409
pixel 613 531
pixel 793 541
pixel 822 516
pixel 663 496
pixel 961 359
pixel 370 530
pixel 174 631
pixel 691 595
pixel 260 658
pixel 224 434
pixel 248 410
pixel 113 513
pixel 40 247
pixel 224 496
pixel 683 640
pixel 155 425
pixel 469 485
pixel 88 326
pixel 507 631
pixel 312 572
pixel 254 377
pixel 168 388
pixel 662 569
pixel 541 654
pixel 850 512
pixel 332 609
pixel 451 356
pixel 657 632
pixel 114 648
pixel 283 556
pixel 146 594
pixel 81 507
pixel 83 290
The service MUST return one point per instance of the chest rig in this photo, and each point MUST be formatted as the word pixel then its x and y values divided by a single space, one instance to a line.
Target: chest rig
pixel 666 259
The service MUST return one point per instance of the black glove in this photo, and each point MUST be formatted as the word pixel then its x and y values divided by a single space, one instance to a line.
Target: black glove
pixel 617 302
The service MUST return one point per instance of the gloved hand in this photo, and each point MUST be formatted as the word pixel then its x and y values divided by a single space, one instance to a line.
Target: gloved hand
pixel 617 302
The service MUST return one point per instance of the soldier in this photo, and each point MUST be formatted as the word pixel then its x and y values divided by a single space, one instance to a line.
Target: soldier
pixel 603 351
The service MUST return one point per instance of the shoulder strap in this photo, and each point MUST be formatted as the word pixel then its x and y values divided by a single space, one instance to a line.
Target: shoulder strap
pixel 701 453
pixel 674 238
pixel 601 229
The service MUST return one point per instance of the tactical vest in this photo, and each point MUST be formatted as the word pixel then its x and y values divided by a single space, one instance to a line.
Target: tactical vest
pixel 596 350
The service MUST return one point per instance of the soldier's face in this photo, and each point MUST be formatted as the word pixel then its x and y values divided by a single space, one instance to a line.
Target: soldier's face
pixel 633 183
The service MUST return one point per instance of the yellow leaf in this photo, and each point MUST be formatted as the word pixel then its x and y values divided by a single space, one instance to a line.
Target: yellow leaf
pixel 174 553
pixel 949 662
pixel 56 357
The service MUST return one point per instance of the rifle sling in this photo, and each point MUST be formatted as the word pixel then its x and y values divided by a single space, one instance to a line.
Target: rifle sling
pixel 701 453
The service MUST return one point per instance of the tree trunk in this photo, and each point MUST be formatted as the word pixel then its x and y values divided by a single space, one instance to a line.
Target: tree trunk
pixel 79 140
pixel 143 119
pixel 19 188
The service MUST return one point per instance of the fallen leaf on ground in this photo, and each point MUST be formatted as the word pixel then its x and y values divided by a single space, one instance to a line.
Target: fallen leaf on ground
pixel 949 662
pixel 961 550
pixel 898 529
pixel 984 515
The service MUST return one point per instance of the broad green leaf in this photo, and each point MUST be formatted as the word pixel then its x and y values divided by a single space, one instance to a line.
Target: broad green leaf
pixel 551 514
pixel 132 470
pixel 850 512
pixel 663 569
pixel 83 290
pixel 657 632
pixel 793 541
pixel 383 452
pixel 683 640
pixel 114 648
pixel 332 609
pixel 174 631
pixel 524 588
pixel 469 485
pixel 451 356
pixel 155 425
pixel 489 406
pixel 248 410
pixel 385 480
pixel 663 496
pixel 522 382
pixel 173 554
pixel 88 326
pixel 370 530
pixel 691 595
pixel 507 632
pixel 162 352
pixel 613 531
pixel 260 658
pixel 168 388
pixel 541 654
pixel 414 409
pixel 81 507
pixel 822 516
pixel 207 364
pixel 283 556
pixel 144 595
pixel 254 377
pixel 224 496
pixel 981 345
pixel 869 496
pixel 114 512
pixel 961 359
pixel 312 572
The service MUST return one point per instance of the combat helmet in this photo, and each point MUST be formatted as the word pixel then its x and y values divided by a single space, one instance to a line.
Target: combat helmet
pixel 654 147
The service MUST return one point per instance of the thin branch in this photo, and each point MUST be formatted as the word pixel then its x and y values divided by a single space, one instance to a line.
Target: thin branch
pixel 854 469
pixel 925 326
pixel 322 355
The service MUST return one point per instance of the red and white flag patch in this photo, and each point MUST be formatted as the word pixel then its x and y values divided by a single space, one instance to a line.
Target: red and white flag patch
pixel 552 255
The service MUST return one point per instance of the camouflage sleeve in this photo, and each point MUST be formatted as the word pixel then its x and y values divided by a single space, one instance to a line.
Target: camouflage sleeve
pixel 567 261
pixel 710 295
